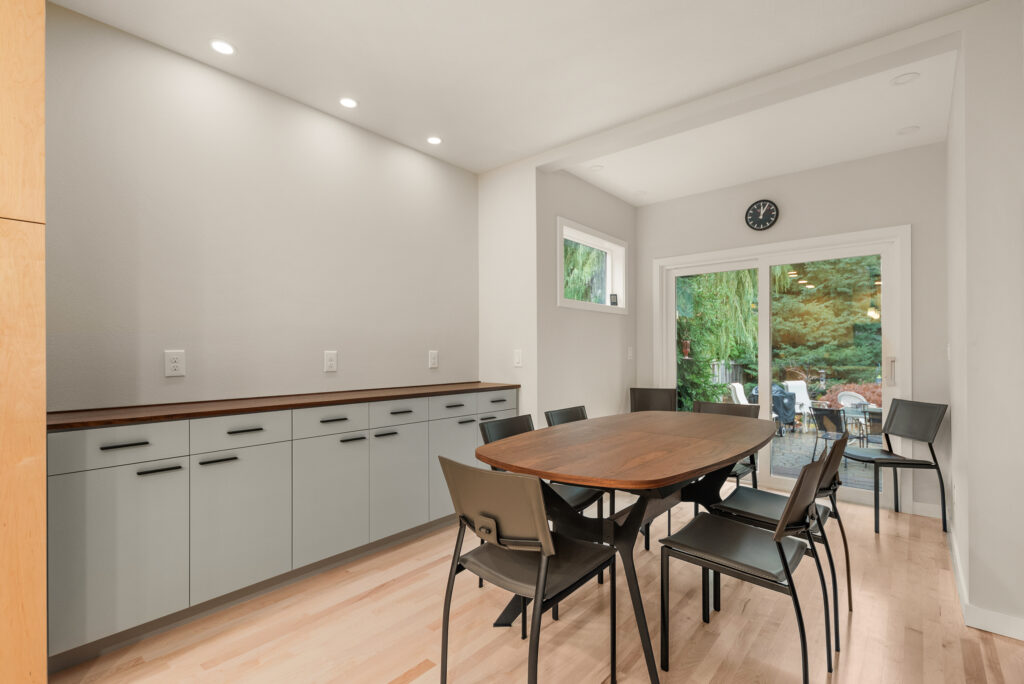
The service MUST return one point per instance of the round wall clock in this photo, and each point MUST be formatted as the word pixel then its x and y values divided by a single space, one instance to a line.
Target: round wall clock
pixel 762 214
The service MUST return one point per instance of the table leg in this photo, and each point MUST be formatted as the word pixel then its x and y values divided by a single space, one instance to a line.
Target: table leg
pixel 625 541
pixel 511 611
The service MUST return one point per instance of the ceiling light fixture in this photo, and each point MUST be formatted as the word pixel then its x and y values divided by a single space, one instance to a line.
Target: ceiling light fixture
pixel 908 130
pixel 809 287
pixel 348 103
pixel 802 282
pixel 434 140
pixel 904 79
pixel 222 46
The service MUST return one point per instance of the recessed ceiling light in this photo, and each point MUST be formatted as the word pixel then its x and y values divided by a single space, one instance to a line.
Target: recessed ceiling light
pixel 802 282
pixel 223 47
pixel 348 103
pixel 434 140
pixel 597 167
pixel 908 130
pixel 904 79
pixel 809 287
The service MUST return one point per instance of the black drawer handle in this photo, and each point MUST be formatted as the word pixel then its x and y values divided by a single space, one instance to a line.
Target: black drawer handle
pixel 487 418
pixel 154 471
pixel 386 434
pixel 126 445
pixel 498 401
pixel 242 431
pixel 400 412
pixel 468 420
pixel 219 460
pixel 353 439
pixel 333 420
pixel 454 405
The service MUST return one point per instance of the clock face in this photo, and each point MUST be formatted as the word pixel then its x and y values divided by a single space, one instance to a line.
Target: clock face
pixel 762 214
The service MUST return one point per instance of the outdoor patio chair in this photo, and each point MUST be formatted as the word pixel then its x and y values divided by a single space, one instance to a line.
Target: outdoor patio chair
pixel 737 394
pixel 803 401
pixel 518 551
pixel 829 425
pixel 855 403
pixel 913 420
pixel 872 426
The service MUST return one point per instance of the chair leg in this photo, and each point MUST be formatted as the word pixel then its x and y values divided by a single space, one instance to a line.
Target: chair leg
pixel 796 609
pixel 835 582
pixel 824 596
pixel 896 490
pixel 670 521
pixel 522 610
pixel 480 580
pixel 705 613
pixel 753 473
pixel 846 551
pixel 600 574
pixel 942 496
pixel 538 610
pixel 446 613
pixel 696 509
pixel 554 612
pixel 647 537
pixel 612 618
pixel 716 585
pixel 664 608
pixel 876 499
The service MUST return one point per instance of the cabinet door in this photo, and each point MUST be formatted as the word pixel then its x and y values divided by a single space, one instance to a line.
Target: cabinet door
pixel 398 479
pixel 241 518
pixel 453 438
pixel 331 494
pixel 118 549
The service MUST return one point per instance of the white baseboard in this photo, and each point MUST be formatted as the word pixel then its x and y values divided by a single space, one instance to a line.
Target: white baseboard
pixel 981 618
pixel 930 510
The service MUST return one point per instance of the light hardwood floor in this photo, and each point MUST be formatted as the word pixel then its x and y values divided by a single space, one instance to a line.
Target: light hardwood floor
pixel 378 619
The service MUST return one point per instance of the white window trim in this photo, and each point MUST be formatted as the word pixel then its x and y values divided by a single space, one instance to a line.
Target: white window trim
pixel 618 275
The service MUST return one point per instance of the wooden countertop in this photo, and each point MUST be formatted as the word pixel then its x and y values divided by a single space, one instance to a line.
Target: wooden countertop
pixel 127 415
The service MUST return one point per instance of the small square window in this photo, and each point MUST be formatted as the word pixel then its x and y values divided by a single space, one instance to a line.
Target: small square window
pixel 591 269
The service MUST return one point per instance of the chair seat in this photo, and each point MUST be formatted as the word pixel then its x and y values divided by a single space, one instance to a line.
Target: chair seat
pixel 577 497
pixel 742 469
pixel 516 571
pixel 884 457
pixel 733 544
pixel 760 505
pixel 832 436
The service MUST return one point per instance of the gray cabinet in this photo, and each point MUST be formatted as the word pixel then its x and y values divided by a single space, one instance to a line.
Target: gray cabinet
pixel 456 439
pixel 398 478
pixel 241 524
pixel 331 489
pixel 118 549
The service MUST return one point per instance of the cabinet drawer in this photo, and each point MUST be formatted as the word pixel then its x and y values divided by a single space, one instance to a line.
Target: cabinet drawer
pixel 451 405
pixel 501 400
pixel 398 479
pixel 329 420
pixel 235 432
pixel 398 412
pixel 118 549
pixel 68 452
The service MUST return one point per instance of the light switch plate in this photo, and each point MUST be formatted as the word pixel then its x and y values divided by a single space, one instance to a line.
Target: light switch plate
pixel 432 358
pixel 174 363
pixel 330 361
pixel 517 358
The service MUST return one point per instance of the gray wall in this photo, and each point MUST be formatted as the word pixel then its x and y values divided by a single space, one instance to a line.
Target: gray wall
pixel 190 209
pixel 894 189
pixel 582 355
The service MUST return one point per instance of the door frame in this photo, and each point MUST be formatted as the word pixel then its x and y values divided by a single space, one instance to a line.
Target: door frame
pixel 893 243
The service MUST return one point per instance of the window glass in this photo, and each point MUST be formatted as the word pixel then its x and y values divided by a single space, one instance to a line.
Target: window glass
pixel 586 273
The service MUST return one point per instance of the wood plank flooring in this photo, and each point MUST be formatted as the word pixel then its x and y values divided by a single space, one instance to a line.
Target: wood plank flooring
pixel 378 619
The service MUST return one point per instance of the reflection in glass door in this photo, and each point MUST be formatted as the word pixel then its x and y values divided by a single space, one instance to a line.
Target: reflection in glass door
pixel 716 336
pixel 826 361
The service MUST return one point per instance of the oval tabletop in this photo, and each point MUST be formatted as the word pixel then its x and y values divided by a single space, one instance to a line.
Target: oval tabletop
pixel 631 451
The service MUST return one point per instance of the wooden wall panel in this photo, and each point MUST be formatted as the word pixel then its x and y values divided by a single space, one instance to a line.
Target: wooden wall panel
pixel 22 110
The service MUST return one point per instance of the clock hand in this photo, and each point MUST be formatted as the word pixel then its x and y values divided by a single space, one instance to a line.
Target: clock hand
pixel 763 207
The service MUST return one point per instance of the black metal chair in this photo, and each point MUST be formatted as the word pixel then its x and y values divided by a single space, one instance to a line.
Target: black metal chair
pixel 914 420
pixel 829 425
pixel 872 426
pixel 762 509
pixel 565 415
pixel 720 545
pixel 652 399
pixel 743 468
pixel 518 553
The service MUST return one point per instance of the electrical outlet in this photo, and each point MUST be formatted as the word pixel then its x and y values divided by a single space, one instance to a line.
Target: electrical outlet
pixel 174 363
pixel 330 361
pixel 432 358
pixel 517 358
pixel 629 353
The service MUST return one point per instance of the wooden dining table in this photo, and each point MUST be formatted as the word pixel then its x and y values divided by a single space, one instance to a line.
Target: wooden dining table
pixel 663 457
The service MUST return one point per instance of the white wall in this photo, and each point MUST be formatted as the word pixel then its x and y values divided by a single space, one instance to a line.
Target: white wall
pixel 894 189
pixel 583 355
pixel 190 209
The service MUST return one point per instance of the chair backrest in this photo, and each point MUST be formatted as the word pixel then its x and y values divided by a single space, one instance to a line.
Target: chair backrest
pixel 566 415
pixel 797 511
pixel 829 419
pixel 799 389
pixel 849 399
pixel 737 393
pixel 505 509
pixel 915 420
pixel 873 420
pixel 493 430
pixel 832 461
pixel 741 410
pixel 651 399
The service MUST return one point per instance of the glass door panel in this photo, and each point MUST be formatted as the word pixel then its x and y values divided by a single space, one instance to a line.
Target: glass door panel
pixel 716 336
pixel 826 361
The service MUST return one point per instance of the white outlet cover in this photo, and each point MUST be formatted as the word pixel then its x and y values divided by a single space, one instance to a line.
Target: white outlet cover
pixel 432 358
pixel 330 361
pixel 174 363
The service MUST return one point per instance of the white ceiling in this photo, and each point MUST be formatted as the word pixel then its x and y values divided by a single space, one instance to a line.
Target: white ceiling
pixel 852 120
pixel 500 81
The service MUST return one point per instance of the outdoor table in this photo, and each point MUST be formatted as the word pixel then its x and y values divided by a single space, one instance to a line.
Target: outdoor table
pixel 662 457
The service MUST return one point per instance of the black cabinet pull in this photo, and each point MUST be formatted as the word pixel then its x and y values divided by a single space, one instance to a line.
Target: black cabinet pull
pixel 487 418
pixel 498 401
pixel 154 471
pixel 242 431
pixel 353 439
pixel 126 445
pixel 454 405
pixel 386 434
pixel 333 420
pixel 400 412
pixel 468 420
pixel 219 460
